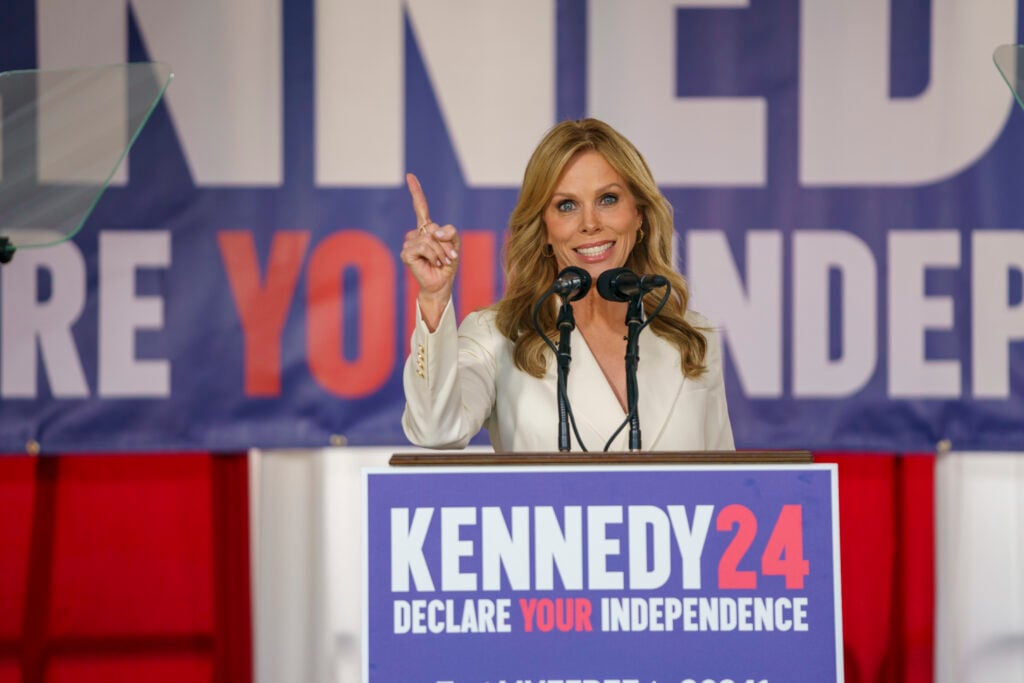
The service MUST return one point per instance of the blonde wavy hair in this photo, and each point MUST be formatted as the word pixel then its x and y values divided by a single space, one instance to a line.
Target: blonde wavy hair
pixel 528 273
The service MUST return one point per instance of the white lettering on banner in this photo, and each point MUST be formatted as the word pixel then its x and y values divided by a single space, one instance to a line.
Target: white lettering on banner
pixel 815 255
pixel 555 546
pixel 26 320
pixel 443 616
pixel 751 315
pixel 229 135
pixel 995 320
pixel 360 92
pixel 407 549
pixel 497 541
pixel 122 253
pixel 912 313
pixel 75 148
pixel 509 548
pixel 649 569
pixel 853 133
pixel 491 65
pixel 690 539
pixel 600 547
pixel 455 548
pixel 630 83
pixel 32 330
pixel 704 614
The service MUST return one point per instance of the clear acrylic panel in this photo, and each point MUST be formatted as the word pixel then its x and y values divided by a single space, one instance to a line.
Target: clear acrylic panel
pixel 63 136
pixel 1008 59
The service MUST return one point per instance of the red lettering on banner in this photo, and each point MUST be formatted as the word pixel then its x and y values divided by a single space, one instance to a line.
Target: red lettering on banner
pixel 263 303
pixel 545 615
pixel 262 308
pixel 583 611
pixel 412 290
pixel 565 614
pixel 475 287
pixel 743 519
pixel 527 607
pixel 784 554
pixel 376 303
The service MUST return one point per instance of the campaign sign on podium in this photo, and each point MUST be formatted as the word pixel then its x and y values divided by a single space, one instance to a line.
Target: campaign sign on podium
pixel 668 574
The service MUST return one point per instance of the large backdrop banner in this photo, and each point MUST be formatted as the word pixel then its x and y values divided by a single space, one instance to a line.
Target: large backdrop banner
pixel 846 178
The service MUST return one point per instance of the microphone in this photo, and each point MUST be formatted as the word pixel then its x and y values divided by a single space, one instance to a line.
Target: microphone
pixel 622 284
pixel 572 282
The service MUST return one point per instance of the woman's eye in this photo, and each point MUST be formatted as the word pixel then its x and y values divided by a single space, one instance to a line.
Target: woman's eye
pixel 609 199
pixel 565 205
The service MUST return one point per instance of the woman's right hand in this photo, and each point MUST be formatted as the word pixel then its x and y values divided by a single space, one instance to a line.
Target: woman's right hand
pixel 431 254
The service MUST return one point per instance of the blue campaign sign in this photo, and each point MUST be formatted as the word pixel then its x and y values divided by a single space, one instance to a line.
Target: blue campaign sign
pixel 845 179
pixel 600 574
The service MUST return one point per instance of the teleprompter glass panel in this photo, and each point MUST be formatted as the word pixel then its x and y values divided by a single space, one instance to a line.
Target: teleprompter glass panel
pixel 63 136
pixel 1008 59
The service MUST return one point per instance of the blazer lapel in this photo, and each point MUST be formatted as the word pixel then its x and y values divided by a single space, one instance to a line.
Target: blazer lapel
pixel 594 404
pixel 659 380
pixel 597 410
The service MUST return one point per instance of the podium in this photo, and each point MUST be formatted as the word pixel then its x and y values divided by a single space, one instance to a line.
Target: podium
pixel 602 567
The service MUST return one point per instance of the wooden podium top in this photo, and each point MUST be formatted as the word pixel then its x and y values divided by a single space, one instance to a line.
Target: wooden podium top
pixel 621 458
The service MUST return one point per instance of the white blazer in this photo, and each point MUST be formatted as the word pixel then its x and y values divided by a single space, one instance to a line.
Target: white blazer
pixel 459 381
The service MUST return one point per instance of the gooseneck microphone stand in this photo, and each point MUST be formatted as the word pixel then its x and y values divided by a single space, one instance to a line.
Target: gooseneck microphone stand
pixel 634 323
pixel 566 324
pixel 572 284
pixel 622 284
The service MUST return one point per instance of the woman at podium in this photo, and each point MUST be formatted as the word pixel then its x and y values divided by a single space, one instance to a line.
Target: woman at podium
pixel 588 200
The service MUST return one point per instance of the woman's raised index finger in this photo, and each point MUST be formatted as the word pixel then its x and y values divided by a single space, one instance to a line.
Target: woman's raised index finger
pixel 419 200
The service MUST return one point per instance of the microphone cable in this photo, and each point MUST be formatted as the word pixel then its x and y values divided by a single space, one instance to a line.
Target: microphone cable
pixel 560 383
pixel 652 316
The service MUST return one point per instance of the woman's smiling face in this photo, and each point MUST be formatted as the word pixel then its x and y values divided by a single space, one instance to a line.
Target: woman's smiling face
pixel 592 218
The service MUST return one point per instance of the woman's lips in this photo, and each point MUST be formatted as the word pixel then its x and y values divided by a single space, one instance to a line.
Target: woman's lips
pixel 594 251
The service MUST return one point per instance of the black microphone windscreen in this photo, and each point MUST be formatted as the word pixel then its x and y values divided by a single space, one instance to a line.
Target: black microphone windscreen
pixel 616 284
pixel 572 280
pixel 649 282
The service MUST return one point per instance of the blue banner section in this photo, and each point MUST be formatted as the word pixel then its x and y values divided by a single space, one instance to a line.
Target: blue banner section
pixel 597 575
pixel 845 179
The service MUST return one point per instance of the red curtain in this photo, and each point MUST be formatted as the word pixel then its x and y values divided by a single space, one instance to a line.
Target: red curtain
pixel 129 568
pixel 887 547
pixel 124 568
